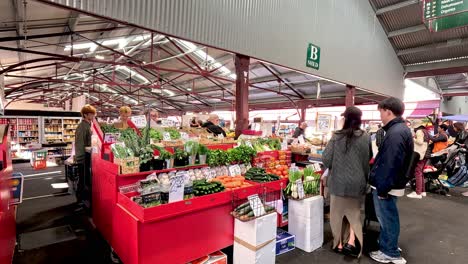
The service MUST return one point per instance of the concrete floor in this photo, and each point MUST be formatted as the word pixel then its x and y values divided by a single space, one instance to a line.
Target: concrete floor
pixel 433 230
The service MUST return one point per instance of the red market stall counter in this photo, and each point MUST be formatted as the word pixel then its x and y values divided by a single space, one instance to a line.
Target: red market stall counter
pixel 177 232
pixel 106 181
pixel 7 211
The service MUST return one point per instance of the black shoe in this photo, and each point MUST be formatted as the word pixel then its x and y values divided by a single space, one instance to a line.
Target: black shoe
pixel 352 251
pixel 338 250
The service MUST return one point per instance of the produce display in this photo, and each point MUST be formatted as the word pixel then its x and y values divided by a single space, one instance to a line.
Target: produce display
pixel 203 187
pixel 245 212
pixel 106 128
pixel 217 158
pixel 311 183
pixel 232 183
pixel 260 175
pixel 241 154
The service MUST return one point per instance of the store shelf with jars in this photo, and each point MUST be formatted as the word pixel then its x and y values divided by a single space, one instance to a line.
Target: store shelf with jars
pixel 69 128
pixel 53 130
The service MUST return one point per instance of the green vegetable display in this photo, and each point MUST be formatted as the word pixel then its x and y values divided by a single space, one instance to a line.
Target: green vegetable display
pixel 291 189
pixel 180 154
pixel 202 187
pixel 217 158
pixel 121 152
pixel 191 147
pixel 259 175
pixel 244 212
pixel 241 154
pixel 175 134
pixel 202 150
pixel 105 128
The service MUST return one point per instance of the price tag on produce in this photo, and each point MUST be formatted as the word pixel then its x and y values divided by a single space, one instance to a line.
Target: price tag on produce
pixel 211 174
pixel 166 136
pixel 243 169
pixel 234 170
pixel 317 167
pixel 293 167
pixel 184 136
pixel 284 145
pixel 300 189
pixel 256 205
pixel 206 172
pixel 176 192
pixel 301 139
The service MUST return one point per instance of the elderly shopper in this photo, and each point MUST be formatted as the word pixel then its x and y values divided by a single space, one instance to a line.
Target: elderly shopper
pixel 212 125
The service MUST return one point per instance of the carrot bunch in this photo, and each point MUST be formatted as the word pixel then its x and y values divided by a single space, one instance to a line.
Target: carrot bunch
pixel 232 183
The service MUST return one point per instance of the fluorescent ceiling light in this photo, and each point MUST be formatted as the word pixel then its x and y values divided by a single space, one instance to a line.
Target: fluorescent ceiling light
pixel 99 57
pixel 202 55
pixel 168 92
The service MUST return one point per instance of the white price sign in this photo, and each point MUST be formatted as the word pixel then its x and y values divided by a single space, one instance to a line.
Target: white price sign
pixel 166 136
pixel 256 205
pixel 184 136
pixel 243 169
pixel 212 173
pixel 176 192
pixel 300 189
pixel 234 170
pixel 139 121
pixel 317 167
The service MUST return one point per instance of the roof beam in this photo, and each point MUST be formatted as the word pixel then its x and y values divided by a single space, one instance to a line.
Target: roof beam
pixel 396 6
pixel 71 25
pixel 407 30
pixel 20 26
pixel 435 46
pixel 437 68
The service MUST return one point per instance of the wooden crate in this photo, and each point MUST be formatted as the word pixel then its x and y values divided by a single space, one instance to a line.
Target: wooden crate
pixel 128 165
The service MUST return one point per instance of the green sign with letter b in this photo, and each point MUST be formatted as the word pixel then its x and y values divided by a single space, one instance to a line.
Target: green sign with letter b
pixel 313 56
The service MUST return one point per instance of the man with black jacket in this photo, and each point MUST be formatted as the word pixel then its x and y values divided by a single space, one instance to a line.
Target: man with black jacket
pixel 388 178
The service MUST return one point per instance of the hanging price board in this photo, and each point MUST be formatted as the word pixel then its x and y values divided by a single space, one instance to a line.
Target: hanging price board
pixel 256 205
pixel 176 192
pixel 234 170
pixel 139 121
pixel 166 136
pixel 300 189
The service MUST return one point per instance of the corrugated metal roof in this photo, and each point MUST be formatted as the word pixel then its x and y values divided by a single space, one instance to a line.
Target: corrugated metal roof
pixel 425 37
pixel 384 3
pixel 402 17
pixel 437 54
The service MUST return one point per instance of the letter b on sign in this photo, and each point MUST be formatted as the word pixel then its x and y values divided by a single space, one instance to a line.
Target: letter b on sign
pixel 313 56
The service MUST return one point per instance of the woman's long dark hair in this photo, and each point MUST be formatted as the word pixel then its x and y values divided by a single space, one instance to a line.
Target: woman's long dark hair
pixel 351 125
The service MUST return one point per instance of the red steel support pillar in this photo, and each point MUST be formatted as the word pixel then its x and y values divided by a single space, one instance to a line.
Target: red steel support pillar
pixel 242 93
pixel 303 115
pixel 350 92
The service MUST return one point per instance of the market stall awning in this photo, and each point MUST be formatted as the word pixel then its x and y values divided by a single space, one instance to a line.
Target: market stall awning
pixel 421 109
pixel 461 118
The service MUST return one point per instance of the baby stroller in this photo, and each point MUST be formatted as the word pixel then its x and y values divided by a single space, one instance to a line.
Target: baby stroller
pixel 442 161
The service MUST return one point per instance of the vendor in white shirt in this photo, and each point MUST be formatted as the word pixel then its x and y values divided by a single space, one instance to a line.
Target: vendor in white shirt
pixel 154 116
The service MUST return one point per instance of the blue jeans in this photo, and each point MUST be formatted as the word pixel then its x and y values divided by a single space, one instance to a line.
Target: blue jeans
pixel 387 213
